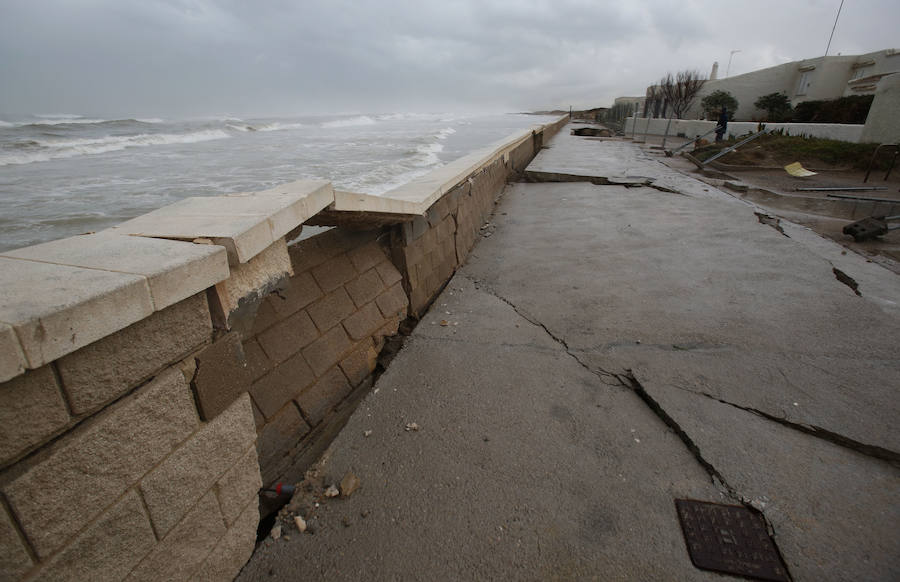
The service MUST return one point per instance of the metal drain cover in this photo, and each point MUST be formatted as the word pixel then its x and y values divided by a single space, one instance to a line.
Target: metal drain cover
pixel 730 539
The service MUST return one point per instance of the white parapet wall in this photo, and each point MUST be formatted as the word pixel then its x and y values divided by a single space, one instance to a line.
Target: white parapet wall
pixel 694 127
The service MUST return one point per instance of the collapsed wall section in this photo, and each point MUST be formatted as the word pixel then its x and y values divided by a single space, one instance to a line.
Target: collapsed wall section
pixel 154 377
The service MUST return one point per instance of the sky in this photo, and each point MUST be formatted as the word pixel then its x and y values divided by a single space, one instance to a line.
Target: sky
pixel 184 58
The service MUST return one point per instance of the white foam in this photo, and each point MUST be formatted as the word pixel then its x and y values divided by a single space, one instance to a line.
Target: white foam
pixel 63 120
pixel 83 147
pixel 351 122
pixel 426 155
pixel 6 124
pixel 276 126
pixel 150 120
pixel 442 134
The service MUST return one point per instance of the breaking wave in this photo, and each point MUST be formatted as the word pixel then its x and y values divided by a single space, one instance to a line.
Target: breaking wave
pixel 350 122
pixel 55 149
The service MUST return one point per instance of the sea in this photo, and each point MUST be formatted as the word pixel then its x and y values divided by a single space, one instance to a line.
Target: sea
pixel 66 174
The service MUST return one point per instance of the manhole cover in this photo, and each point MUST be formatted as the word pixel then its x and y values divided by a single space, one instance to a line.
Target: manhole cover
pixel 730 539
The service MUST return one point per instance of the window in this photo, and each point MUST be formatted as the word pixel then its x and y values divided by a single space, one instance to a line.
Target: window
pixel 803 84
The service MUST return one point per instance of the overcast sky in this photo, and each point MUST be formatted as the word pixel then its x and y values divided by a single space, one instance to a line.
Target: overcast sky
pixel 281 57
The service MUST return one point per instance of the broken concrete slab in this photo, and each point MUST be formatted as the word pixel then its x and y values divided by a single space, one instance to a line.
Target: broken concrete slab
pixel 765 320
pixel 522 453
pixel 834 511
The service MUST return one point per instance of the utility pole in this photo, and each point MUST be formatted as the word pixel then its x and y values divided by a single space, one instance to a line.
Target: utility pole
pixel 833 27
pixel 728 68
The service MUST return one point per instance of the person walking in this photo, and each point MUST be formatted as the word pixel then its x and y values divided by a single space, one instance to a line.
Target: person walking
pixel 722 124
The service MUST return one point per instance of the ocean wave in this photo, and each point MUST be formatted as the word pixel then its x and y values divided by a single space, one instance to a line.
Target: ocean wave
pixel 351 122
pixel 149 120
pixel 447 131
pixel 276 126
pixel 63 121
pixel 426 155
pixel 6 124
pixel 55 149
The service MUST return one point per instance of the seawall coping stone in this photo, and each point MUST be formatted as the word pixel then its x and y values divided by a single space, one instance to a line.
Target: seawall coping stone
pixel 56 309
pixel 174 270
pixel 12 359
pixel 245 224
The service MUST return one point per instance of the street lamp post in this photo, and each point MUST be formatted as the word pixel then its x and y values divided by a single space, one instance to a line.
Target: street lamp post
pixel 728 69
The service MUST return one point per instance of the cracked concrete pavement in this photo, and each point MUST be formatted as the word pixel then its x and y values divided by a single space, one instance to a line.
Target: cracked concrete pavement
pixel 610 349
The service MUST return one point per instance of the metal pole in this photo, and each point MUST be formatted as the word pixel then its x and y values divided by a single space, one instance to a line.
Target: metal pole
pixel 666 135
pixel 728 68
pixel 735 146
pixel 833 27
pixel 866 198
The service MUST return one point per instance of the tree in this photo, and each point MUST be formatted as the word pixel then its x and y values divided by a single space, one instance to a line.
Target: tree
pixel 712 104
pixel 680 91
pixel 653 102
pixel 776 105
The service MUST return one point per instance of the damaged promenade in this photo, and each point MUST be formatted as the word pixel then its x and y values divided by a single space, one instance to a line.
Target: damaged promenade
pixel 623 336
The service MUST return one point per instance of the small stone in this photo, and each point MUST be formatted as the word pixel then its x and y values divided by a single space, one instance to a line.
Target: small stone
pixel 346 521
pixel 412 426
pixel 287 538
pixel 276 531
pixel 444 323
pixel 349 484
pixel 364 513
pixel 332 491
pixel 301 523
pixel 367 433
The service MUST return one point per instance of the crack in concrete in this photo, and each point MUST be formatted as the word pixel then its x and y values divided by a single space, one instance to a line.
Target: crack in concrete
pixel 604 375
pixel 875 451
pixel 846 279
pixel 537 177
pixel 772 221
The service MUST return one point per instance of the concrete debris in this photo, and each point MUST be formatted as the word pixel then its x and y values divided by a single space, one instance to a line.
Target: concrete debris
pixel 332 491
pixel 276 531
pixel 412 427
pixel 349 484
pixel 367 433
pixel 301 523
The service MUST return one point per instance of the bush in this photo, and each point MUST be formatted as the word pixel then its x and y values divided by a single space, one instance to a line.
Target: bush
pixel 712 104
pixel 776 105
pixel 852 109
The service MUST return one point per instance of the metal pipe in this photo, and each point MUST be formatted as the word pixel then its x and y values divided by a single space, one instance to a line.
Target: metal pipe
pixel 699 137
pixel 866 198
pixel 666 135
pixel 835 189
pixel 735 146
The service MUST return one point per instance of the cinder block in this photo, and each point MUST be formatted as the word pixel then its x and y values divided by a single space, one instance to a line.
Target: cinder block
pixel 186 547
pixel 281 384
pixel 239 486
pixel 98 462
pixel 307 253
pixel 266 316
pixel 14 558
pixel 360 363
pixel 300 291
pixel 233 550
pixel 318 400
pixel 327 350
pixel 31 410
pixel 330 310
pixel 393 301
pixel 222 375
pixel 334 272
pixel 285 339
pixel 278 437
pixel 365 321
pixel 365 288
pixel 106 369
pixel 367 256
pixel 258 363
pixel 387 330
pixel 108 549
pixel 179 481
pixel 388 273
pixel 12 358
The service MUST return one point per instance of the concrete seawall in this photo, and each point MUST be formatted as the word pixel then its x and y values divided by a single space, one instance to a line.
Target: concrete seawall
pixel 154 376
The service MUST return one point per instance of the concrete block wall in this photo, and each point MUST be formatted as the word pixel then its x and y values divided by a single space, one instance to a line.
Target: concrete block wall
pixel 110 473
pixel 135 447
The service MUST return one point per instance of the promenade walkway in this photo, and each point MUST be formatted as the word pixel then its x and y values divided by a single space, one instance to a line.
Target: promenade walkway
pixel 605 351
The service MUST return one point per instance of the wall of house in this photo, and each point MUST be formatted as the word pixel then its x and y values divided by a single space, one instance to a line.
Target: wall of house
pixel 150 387
pixel 883 122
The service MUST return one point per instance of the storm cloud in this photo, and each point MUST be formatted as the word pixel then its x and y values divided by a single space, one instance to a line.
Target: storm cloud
pixel 279 57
